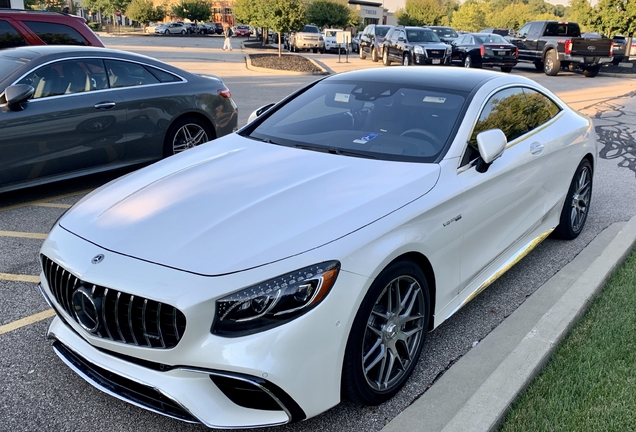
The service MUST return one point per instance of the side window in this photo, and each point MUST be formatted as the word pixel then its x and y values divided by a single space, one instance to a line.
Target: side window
pixel 505 110
pixel 125 74
pixel 540 108
pixel 535 30
pixel 66 77
pixel 163 76
pixel 56 34
pixel 523 31
pixel 9 37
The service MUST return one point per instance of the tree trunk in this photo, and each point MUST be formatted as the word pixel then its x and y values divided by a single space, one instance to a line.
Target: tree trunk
pixel 279 45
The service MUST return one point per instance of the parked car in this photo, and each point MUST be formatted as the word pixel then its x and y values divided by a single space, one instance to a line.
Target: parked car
pixel 150 28
pixel 72 111
pixel 619 49
pixel 172 28
pixel 204 28
pixel 371 41
pixel 475 50
pixel 355 43
pixel 310 38
pixel 22 28
pixel 267 308
pixel 552 45
pixel 414 45
pixel 218 28
pixel 331 42
pixel 242 31
pixel 445 34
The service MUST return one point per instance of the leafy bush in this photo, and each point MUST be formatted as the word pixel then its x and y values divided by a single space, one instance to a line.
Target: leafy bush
pixel 95 26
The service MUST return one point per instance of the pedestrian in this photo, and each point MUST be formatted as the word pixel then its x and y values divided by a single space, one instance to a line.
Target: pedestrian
pixel 227 32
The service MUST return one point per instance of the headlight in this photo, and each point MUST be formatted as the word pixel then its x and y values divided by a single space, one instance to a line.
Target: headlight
pixel 418 49
pixel 321 38
pixel 274 302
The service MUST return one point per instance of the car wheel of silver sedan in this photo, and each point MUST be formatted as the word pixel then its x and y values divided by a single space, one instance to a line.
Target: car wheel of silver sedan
pixel 577 203
pixel 387 335
pixel 185 134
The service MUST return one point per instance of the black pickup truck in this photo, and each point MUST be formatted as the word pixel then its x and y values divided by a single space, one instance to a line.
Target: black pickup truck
pixel 552 45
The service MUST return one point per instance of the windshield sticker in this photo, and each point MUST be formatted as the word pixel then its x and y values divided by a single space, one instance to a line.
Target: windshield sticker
pixel 434 99
pixel 342 97
pixel 365 139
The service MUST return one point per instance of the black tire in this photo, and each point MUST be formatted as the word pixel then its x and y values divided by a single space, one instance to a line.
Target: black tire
pixel 362 54
pixel 406 61
pixel 551 64
pixel 183 32
pixel 385 57
pixel 322 50
pixel 374 55
pixel 186 133
pixel 538 66
pixel 506 69
pixel 468 62
pixel 577 203
pixel 315 50
pixel 392 320
pixel 591 71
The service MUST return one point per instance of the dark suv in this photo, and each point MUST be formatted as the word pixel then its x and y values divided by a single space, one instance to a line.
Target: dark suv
pixel 371 41
pixel 20 27
pixel 414 45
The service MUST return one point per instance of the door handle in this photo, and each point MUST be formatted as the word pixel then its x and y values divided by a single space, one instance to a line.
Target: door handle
pixel 536 148
pixel 105 105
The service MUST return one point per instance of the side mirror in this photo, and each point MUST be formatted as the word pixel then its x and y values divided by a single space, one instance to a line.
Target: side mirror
pixel 401 39
pixel 491 145
pixel 258 112
pixel 16 95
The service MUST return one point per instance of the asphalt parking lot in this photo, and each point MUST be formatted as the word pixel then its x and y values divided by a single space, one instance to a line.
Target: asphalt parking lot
pixel 37 391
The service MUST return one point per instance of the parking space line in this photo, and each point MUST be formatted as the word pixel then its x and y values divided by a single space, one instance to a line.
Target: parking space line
pixel 56 205
pixel 19 277
pixel 26 321
pixel 46 200
pixel 22 234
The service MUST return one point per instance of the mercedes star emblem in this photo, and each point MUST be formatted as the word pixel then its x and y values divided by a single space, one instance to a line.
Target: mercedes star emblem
pixel 97 259
pixel 86 309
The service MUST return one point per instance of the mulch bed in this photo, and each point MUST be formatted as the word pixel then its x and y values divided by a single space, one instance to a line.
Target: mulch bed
pixel 287 62
pixel 620 70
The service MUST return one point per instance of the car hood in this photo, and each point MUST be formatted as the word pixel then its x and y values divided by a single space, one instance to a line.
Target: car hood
pixel 235 204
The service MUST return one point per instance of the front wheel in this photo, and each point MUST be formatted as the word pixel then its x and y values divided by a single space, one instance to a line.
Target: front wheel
pixel 591 71
pixel 385 57
pixel 362 54
pixel 185 134
pixel 374 55
pixel 552 64
pixel 387 335
pixel 407 60
pixel 577 203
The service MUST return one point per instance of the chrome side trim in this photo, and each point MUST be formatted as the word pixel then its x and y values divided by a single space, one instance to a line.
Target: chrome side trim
pixel 514 259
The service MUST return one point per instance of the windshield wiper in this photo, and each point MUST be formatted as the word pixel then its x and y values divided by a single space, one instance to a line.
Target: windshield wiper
pixel 334 150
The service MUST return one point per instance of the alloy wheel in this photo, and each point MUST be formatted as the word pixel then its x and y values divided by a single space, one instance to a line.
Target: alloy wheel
pixel 393 333
pixel 581 199
pixel 188 136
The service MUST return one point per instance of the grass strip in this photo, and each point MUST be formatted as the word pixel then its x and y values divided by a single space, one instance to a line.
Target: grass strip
pixel 589 384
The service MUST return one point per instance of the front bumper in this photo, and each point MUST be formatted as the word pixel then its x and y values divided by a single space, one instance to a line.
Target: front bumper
pixel 302 44
pixel 422 59
pixel 294 369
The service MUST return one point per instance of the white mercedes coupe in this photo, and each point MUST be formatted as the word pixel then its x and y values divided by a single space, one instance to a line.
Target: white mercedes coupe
pixel 257 279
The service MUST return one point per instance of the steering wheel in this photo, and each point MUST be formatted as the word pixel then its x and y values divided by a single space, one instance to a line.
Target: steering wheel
pixel 427 136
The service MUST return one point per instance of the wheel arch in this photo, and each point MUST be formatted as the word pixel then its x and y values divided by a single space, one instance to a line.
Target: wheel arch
pixel 425 265
pixel 188 115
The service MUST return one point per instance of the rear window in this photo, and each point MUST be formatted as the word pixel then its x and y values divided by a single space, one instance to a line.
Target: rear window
pixel 445 32
pixel 491 38
pixel 368 119
pixel 562 29
pixel 56 34
pixel 9 37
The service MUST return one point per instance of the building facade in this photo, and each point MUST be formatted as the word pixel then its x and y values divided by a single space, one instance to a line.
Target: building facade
pixel 372 13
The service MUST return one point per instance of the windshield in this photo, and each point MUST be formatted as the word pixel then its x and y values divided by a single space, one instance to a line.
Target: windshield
pixel 8 65
pixel 382 31
pixel 367 119
pixel 331 33
pixel 416 35
pixel 311 29
pixel 445 32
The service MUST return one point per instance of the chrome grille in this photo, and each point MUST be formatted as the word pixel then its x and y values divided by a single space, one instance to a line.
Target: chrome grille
pixel 435 53
pixel 121 317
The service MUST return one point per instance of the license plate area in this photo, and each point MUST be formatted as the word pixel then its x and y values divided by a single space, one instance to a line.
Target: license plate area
pixel 436 61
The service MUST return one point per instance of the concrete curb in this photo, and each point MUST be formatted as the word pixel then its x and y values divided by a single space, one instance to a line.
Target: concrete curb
pixel 248 64
pixel 476 393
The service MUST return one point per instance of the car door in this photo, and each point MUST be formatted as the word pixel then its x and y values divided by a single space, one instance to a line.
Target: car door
pixel 458 49
pixel 72 123
pixel 521 41
pixel 534 44
pixel 503 205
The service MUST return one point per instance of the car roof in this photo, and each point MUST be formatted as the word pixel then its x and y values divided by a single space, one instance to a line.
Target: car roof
pixel 455 79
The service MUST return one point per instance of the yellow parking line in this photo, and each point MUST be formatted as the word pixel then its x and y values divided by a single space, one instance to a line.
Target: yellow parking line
pixel 56 205
pixel 19 278
pixel 26 321
pixel 46 200
pixel 23 234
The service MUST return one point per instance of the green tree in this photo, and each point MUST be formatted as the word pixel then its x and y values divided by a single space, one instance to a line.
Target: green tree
pixel 108 7
pixel 144 11
pixel 580 12
pixel 612 17
pixel 423 12
pixel 283 16
pixel 246 11
pixel 194 10
pixel 329 13
pixel 49 5
pixel 470 16
pixel 512 16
